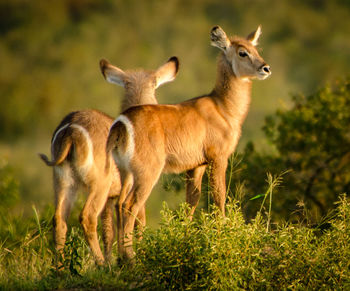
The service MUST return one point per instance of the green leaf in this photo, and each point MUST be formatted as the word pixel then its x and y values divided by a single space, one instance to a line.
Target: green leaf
pixel 257 196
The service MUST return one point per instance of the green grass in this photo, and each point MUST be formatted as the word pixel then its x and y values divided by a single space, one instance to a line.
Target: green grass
pixel 209 252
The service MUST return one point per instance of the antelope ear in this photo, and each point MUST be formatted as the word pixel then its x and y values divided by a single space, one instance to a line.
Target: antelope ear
pixel 219 38
pixel 253 37
pixel 167 72
pixel 111 73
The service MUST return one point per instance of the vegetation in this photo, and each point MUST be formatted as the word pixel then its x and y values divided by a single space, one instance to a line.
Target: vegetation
pixel 215 253
pixel 291 233
pixel 312 142
pixel 50 51
pixel 209 252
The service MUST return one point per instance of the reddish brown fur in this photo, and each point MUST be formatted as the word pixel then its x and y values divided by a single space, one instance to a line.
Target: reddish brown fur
pixel 187 136
pixel 79 157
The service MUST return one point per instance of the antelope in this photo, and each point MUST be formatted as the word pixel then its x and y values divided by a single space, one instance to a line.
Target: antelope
pixel 148 140
pixel 79 158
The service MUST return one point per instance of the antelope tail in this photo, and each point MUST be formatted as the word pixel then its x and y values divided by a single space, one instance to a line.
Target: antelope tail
pixel 60 146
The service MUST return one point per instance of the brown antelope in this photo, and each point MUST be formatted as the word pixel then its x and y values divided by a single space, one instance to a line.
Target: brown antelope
pixel 150 139
pixel 78 150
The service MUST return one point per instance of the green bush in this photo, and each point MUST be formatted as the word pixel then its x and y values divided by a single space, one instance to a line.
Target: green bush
pixel 311 139
pixel 212 252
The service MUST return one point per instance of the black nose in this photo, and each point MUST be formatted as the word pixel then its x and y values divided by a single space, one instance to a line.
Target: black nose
pixel 266 69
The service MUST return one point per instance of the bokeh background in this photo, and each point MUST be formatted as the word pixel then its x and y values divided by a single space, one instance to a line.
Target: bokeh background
pixel 50 51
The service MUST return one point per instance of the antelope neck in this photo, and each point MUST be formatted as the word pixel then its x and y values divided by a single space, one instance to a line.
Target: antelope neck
pixel 233 94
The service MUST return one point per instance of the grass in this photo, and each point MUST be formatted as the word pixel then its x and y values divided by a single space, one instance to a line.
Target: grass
pixel 210 252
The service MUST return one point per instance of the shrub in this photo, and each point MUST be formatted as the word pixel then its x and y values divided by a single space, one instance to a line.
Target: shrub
pixel 312 140
pixel 212 252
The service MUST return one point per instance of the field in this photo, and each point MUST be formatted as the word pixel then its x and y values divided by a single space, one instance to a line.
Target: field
pixel 287 220
pixel 269 238
pixel 210 252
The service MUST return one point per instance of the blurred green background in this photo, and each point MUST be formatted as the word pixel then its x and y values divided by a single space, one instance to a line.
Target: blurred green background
pixel 50 50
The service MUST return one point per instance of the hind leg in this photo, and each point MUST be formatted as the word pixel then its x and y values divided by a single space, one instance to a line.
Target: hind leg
pixel 108 227
pixel 65 194
pixel 97 198
pixel 131 208
pixel 135 202
pixel 194 186
pixel 127 182
pixel 140 222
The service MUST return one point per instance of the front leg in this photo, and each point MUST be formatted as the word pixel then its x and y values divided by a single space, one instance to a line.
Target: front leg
pixel 218 184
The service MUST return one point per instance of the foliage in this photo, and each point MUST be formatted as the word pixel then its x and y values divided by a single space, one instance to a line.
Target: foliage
pixel 8 187
pixel 312 141
pixel 212 252
pixel 50 53
pixel 9 197
pixel 75 250
pixel 209 252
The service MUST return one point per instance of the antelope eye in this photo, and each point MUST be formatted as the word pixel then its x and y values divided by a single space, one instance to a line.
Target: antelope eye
pixel 242 54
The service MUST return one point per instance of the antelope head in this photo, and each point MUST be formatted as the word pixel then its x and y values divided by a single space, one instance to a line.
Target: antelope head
pixel 241 53
pixel 140 85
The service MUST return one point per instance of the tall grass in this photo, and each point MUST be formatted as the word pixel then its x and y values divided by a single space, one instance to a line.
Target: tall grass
pixel 208 252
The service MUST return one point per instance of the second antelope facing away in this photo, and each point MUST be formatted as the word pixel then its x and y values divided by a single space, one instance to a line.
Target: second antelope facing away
pixel 150 139
pixel 78 149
